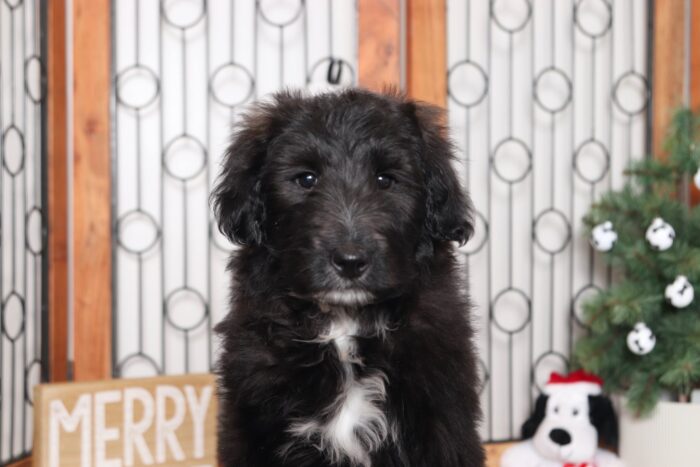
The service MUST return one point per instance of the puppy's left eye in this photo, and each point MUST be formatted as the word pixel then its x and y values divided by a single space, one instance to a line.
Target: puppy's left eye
pixel 575 412
pixel 384 181
pixel 306 180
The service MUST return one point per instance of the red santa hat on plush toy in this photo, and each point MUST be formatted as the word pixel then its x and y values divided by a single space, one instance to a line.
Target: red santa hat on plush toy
pixel 577 381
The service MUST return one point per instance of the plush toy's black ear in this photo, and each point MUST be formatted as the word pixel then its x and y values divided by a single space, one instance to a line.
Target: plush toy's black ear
pixel 448 210
pixel 603 417
pixel 238 198
pixel 531 424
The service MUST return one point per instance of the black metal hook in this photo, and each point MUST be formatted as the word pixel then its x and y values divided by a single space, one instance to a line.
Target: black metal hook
pixel 335 71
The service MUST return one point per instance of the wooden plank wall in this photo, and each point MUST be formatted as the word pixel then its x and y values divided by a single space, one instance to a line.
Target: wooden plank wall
pixel 92 251
pixel 426 54
pixel 26 462
pixel 57 167
pixel 668 67
pixel 695 71
pixel 379 57
pixel 494 451
pixel 695 55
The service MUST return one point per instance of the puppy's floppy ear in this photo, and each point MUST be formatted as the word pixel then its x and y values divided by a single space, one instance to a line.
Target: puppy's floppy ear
pixel 531 424
pixel 238 198
pixel 448 210
pixel 603 417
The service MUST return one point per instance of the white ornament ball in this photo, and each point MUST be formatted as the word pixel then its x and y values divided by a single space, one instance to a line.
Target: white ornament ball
pixel 640 339
pixel 660 234
pixel 603 237
pixel 680 292
pixel 696 179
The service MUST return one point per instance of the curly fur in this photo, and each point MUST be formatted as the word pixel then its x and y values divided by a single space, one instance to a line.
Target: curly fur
pixel 319 370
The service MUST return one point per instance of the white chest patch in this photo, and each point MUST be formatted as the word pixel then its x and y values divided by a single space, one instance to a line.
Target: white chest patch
pixel 355 423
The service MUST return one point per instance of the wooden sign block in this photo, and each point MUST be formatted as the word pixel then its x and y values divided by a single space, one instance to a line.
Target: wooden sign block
pixel 168 420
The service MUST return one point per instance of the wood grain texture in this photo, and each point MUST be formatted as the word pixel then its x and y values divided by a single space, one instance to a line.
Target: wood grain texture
pixel 669 67
pixel 175 415
pixel 494 451
pixel 379 61
pixel 695 72
pixel 426 53
pixel 26 462
pixel 695 55
pixel 91 190
pixel 57 178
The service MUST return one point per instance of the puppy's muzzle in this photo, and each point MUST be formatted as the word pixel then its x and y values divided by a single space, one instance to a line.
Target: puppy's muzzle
pixel 350 261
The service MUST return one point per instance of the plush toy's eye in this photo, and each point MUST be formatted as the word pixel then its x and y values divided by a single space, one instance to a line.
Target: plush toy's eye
pixel 384 181
pixel 575 412
pixel 556 409
pixel 306 180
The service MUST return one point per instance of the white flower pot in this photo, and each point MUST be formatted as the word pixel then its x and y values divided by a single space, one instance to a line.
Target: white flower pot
pixel 668 437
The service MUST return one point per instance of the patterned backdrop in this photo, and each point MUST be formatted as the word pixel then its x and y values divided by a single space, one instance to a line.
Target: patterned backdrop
pixel 183 72
pixel 22 215
pixel 547 102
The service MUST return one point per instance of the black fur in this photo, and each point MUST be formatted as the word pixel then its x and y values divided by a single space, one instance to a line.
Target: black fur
pixel 269 374
pixel 600 411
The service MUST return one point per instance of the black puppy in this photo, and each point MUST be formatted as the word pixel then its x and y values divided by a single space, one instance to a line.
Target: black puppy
pixel 348 341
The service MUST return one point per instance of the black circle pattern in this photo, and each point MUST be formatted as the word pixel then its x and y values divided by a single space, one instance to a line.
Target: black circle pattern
pixel 554 72
pixel 482 91
pixel 607 23
pixel 144 230
pixel 530 291
pixel 333 70
pixel 23 233
pixel 188 23
pixel 280 23
pixel 624 81
pixel 146 75
pixel 216 93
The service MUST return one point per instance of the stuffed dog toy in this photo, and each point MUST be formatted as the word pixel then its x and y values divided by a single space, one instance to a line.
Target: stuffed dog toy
pixel 570 419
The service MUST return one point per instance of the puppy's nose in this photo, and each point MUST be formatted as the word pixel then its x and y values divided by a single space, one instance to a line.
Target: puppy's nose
pixel 350 262
pixel 559 436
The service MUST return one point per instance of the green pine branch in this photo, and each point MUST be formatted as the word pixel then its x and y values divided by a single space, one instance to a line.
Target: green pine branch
pixel 651 191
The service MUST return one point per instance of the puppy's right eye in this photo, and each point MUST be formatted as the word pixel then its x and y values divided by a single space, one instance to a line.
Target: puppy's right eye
pixel 306 180
pixel 384 181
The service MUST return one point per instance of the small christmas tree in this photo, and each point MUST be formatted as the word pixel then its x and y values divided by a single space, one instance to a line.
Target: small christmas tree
pixel 645 329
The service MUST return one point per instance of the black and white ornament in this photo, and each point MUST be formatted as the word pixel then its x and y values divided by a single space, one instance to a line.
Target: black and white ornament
pixel 660 234
pixel 680 292
pixel 603 236
pixel 640 339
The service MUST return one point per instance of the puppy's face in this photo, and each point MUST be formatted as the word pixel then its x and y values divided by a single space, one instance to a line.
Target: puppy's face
pixel 347 192
pixel 345 206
